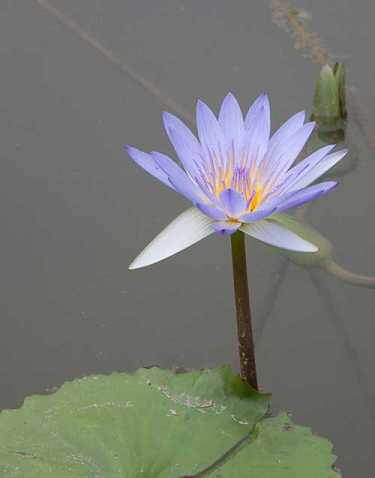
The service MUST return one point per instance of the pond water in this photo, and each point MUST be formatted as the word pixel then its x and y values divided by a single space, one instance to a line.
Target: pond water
pixel 80 79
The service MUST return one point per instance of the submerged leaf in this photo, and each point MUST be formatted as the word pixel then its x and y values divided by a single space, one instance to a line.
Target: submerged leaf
pixel 310 234
pixel 156 423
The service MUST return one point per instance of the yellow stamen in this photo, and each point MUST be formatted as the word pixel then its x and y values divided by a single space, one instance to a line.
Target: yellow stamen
pixel 224 183
pixel 256 199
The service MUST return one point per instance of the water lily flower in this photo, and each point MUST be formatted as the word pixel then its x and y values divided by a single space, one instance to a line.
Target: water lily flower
pixel 237 176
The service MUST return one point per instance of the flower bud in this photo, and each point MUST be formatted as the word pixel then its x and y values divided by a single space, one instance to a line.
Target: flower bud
pixel 329 98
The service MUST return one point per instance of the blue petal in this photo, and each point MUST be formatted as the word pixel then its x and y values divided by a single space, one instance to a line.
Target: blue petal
pixel 231 120
pixel 178 178
pixel 257 215
pixel 285 153
pixel 211 211
pixel 145 161
pixel 226 227
pixel 184 142
pixel 257 124
pixel 233 202
pixel 297 198
pixel 317 168
pixel 261 104
pixel 293 124
pixel 294 175
pixel 210 132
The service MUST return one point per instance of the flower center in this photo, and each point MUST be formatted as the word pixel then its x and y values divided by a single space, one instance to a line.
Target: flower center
pixel 242 179
pixel 242 182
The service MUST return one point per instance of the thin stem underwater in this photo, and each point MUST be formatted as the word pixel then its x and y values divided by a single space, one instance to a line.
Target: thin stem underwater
pixel 243 311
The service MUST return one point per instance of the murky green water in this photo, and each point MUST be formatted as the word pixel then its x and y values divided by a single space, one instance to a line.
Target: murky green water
pixel 80 79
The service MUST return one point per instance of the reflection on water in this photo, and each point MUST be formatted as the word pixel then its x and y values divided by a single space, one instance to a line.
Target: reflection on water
pixel 110 56
pixel 80 79
pixel 294 20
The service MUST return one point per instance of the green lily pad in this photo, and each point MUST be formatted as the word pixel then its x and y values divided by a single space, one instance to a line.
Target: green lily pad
pixel 158 424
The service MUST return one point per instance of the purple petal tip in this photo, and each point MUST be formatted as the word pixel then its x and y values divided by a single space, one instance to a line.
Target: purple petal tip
pixel 131 150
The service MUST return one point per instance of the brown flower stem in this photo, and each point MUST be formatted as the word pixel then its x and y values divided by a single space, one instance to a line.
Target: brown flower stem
pixel 241 293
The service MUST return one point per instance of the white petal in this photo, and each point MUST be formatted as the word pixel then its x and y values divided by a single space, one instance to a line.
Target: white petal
pixel 188 228
pixel 276 235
